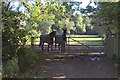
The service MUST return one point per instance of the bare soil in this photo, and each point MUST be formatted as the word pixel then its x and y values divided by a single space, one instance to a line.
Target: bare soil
pixel 72 66
pixel 74 63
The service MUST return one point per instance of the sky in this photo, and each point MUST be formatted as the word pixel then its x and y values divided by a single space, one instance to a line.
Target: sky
pixel 83 5
pixel 84 2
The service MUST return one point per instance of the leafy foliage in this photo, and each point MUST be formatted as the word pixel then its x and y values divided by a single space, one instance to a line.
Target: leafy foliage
pixel 65 23
pixel 10 68
pixel 12 31
pixel 41 15
pixel 39 18
pixel 14 38
pixel 104 17
pixel 108 15
pixel 23 63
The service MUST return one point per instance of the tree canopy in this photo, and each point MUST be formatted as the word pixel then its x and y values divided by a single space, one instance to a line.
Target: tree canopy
pixel 104 17
pixel 42 18
pixel 20 26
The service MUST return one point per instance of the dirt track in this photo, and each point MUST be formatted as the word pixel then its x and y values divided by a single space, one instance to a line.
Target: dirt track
pixel 75 66
pixel 56 66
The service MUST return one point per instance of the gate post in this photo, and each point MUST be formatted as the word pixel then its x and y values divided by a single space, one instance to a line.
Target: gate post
pixel 111 47
pixel 32 41
pixel 68 43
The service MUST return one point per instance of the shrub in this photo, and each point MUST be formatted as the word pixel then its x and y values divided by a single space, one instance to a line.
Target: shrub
pixel 10 68
pixel 26 59
pixel 23 62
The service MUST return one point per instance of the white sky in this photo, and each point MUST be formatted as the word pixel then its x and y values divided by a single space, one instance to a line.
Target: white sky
pixel 84 2
pixel 83 5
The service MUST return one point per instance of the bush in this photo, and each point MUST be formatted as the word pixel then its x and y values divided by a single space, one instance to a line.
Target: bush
pixel 8 51
pixel 118 60
pixel 23 62
pixel 10 68
pixel 26 59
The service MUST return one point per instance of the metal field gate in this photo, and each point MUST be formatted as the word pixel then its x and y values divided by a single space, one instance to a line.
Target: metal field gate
pixel 82 44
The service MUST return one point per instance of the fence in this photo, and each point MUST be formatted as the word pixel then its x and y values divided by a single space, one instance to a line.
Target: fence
pixel 78 43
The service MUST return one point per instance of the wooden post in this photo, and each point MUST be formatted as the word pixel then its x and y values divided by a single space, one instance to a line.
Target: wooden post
pixel 118 43
pixel 108 47
pixel 111 47
pixel 68 43
pixel 32 41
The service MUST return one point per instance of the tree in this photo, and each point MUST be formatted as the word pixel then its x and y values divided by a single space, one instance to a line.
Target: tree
pixel 12 31
pixel 108 15
pixel 104 17
pixel 40 13
pixel 65 23
pixel 47 26
pixel 82 21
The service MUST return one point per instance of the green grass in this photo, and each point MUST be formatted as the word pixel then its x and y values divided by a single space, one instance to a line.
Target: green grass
pixel 82 35
pixel 86 40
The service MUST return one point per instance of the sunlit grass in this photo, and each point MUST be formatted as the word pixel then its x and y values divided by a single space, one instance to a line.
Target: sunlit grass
pixel 86 40
pixel 79 39
pixel 82 35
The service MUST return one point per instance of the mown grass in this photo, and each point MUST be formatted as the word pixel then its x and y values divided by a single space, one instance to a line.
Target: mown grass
pixel 77 39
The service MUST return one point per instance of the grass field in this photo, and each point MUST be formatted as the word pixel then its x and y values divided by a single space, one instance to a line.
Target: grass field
pixel 85 39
